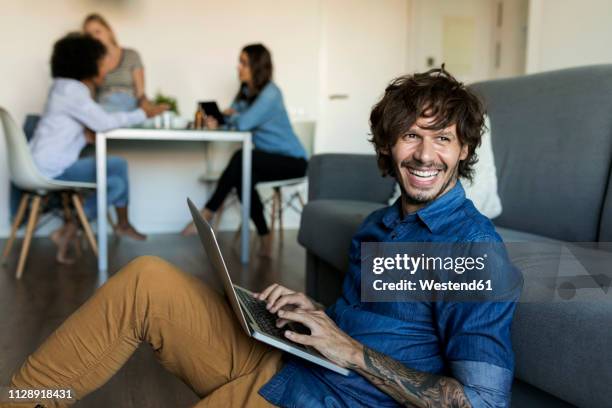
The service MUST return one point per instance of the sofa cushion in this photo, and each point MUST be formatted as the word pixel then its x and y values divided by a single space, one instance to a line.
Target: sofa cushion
pixel 528 396
pixel 564 349
pixel 552 143
pixel 548 339
pixel 510 235
pixel 482 190
pixel 347 177
pixel 605 225
pixel 327 226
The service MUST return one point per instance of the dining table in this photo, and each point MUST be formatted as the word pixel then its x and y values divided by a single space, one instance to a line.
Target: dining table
pixel 168 134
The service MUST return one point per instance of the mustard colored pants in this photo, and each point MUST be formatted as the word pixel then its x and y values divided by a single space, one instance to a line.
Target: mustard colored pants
pixel 190 327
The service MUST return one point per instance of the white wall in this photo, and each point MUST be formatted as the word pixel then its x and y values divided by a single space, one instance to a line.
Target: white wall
pixel 429 16
pixel 189 48
pixel 568 33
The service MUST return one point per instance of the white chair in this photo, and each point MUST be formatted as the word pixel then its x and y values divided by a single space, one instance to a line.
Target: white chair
pixel 305 131
pixel 25 175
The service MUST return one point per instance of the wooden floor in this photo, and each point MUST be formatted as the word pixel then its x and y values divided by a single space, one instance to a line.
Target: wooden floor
pixel 30 309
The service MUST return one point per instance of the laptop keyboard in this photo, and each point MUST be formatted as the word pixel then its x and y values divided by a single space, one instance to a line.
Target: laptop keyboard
pixel 257 308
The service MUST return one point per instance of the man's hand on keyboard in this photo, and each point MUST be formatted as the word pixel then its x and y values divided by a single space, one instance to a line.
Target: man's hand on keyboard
pixel 279 297
pixel 327 338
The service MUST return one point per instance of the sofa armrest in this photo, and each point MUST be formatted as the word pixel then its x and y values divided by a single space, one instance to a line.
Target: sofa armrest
pixel 347 177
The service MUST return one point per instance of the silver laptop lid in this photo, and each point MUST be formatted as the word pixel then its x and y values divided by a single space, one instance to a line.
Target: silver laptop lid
pixel 211 247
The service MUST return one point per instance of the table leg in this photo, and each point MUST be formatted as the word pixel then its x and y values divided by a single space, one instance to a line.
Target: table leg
pixel 102 208
pixel 246 198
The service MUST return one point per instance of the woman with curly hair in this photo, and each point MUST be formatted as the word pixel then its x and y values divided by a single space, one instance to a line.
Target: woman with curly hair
pixel 70 119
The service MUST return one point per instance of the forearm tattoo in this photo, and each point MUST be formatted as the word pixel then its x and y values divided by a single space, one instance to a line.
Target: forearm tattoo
pixel 409 387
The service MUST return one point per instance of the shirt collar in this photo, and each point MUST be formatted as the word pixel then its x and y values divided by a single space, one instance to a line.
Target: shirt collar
pixel 433 215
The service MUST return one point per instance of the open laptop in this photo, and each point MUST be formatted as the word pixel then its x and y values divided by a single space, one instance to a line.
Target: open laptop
pixel 252 314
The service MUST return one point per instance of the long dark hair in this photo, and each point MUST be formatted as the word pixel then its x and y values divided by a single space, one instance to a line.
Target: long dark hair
pixel 260 63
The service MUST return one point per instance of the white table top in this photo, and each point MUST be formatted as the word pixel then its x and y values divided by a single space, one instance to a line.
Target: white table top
pixel 176 134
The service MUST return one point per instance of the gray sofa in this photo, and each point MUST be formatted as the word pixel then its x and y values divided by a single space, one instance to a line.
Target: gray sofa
pixel 552 141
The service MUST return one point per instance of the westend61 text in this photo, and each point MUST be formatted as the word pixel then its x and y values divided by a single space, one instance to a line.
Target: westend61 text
pixel 430 285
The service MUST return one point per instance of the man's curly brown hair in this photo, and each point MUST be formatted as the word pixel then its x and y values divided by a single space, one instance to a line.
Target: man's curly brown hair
pixel 432 94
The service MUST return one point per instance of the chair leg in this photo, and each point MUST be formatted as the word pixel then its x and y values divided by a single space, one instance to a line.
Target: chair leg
pixel 66 207
pixel 279 198
pixel 76 200
pixel 273 214
pixel 218 216
pixel 301 200
pixel 25 247
pixel 23 205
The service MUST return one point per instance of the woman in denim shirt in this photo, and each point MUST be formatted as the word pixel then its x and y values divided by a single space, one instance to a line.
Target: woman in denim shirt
pixel 278 154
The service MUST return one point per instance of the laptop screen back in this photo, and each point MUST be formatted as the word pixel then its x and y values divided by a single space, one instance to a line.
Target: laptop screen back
pixel 211 247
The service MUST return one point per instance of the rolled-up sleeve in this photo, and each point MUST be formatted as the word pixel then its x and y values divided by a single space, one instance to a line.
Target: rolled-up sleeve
pixel 484 384
pixel 478 348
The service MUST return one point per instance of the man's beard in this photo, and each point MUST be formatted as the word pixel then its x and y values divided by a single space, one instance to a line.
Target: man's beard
pixel 422 198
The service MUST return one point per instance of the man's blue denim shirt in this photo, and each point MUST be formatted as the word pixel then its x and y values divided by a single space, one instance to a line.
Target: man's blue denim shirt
pixel 469 341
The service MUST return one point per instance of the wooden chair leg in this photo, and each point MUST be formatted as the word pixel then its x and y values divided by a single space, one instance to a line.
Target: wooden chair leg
pixel 279 197
pixel 66 207
pixel 76 200
pixel 273 214
pixel 218 216
pixel 25 247
pixel 301 199
pixel 23 205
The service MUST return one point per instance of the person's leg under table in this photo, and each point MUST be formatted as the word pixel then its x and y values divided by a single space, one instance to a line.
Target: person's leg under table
pixel 270 167
pixel 117 183
pixel 265 167
pixel 84 170
pixel 191 328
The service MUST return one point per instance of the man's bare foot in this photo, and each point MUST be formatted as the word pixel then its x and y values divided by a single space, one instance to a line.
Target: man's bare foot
pixel 190 229
pixel 265 245
pixel 130 231
pixel 63 237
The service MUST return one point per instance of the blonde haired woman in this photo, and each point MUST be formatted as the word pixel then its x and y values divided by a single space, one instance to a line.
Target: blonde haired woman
pixel 124 85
